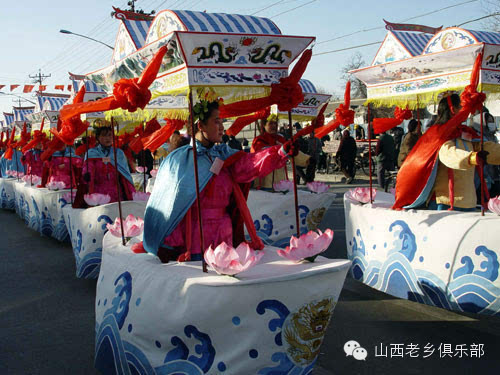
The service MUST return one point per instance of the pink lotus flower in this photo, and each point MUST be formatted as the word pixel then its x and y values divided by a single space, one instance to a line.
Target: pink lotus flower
pixel 284 186
pixel 307 246
pixel 33 180
pixel 96 199
pixel 361 194
pixel 317 187
pixel 494 205
pixel 226 260
pixel 140 169
pixel 68 197
pixel 140 196
pixel 55 185
pixel 132 227
pixel 153 172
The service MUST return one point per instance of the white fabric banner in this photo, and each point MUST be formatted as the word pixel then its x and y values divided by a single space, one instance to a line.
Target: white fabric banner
pixel 172 318
pixel 447 259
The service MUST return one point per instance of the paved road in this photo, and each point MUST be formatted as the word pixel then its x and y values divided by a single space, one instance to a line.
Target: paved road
pixel 47 316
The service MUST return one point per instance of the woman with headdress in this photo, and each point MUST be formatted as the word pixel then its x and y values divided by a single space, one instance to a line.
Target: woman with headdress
pixel 171 224
pixel 269 137
pixel 451 181
pixel 98 171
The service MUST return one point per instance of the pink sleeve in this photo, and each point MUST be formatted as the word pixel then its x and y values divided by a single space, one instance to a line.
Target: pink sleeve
pixel 259 164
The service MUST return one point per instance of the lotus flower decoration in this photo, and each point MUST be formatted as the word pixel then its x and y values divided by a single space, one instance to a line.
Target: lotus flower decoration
pixel 226 260
pixel 317 187
pixel 96 199
pixel 140 196
pixel 361 194
pixel 153 172
pixel 132 227
pixel 68 197
pixel 307 246
pixel 283 186
pixel 494 205
pixel 56 185
pixel 140 169
pixel 33 180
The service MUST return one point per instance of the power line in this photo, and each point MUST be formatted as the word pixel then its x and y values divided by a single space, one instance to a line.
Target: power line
pixel 269 6
pixel 297 7
pixel 405 20
pixel 347 48
pixel 480 18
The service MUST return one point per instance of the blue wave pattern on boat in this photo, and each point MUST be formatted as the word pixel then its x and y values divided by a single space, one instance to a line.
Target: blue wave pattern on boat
pixel 285 366
pixel 266 230
pixel 6 202
pixel 35 216
pixel 471 288
pixel 116 356
pixel 87 266
pixel 46 225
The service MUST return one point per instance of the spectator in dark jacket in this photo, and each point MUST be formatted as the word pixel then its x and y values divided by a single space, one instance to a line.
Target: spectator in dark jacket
pixel 386 155
pixel 346 154
pixel 234 143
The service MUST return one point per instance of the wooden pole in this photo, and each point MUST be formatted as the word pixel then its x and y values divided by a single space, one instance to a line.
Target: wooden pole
pixel 17 164
pixel 197 183
pixel 294 173
pixel 144 164
pixel 481 167
pixel 118 190
pixel 370 152
pixel 70 177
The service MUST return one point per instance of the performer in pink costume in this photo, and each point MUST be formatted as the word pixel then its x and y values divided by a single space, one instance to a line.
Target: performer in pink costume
pixel 33 162
pixel 171 222
pixel 99 171
pixel 60 169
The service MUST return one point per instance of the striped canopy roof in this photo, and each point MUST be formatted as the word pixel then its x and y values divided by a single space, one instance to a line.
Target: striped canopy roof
pixel 413 42
pixel 307 86
pixel 55 102
pixel 9 118
pixel 486 36
pixel 226 23
pixel 21 113
pixel 90 86
pixel 138 31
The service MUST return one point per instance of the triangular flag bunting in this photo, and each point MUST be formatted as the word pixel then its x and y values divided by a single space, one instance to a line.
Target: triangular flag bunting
pixel 27 88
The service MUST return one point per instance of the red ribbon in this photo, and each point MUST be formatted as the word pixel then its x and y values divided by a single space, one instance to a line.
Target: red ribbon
pixel 381 125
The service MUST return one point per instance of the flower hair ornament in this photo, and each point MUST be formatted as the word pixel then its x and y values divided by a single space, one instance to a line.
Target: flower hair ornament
pixel 200 109
pixel 101 123
pixel 272 118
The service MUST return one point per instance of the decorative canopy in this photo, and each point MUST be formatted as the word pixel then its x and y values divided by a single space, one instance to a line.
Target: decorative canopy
pixel 9 118
pixel 237 57
pixel 20 113
pixel 400 77
pixel 48 106
pixel 132 33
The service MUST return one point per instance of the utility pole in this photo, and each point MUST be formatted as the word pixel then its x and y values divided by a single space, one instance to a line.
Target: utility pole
pixel 19 101
pixel 38 78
